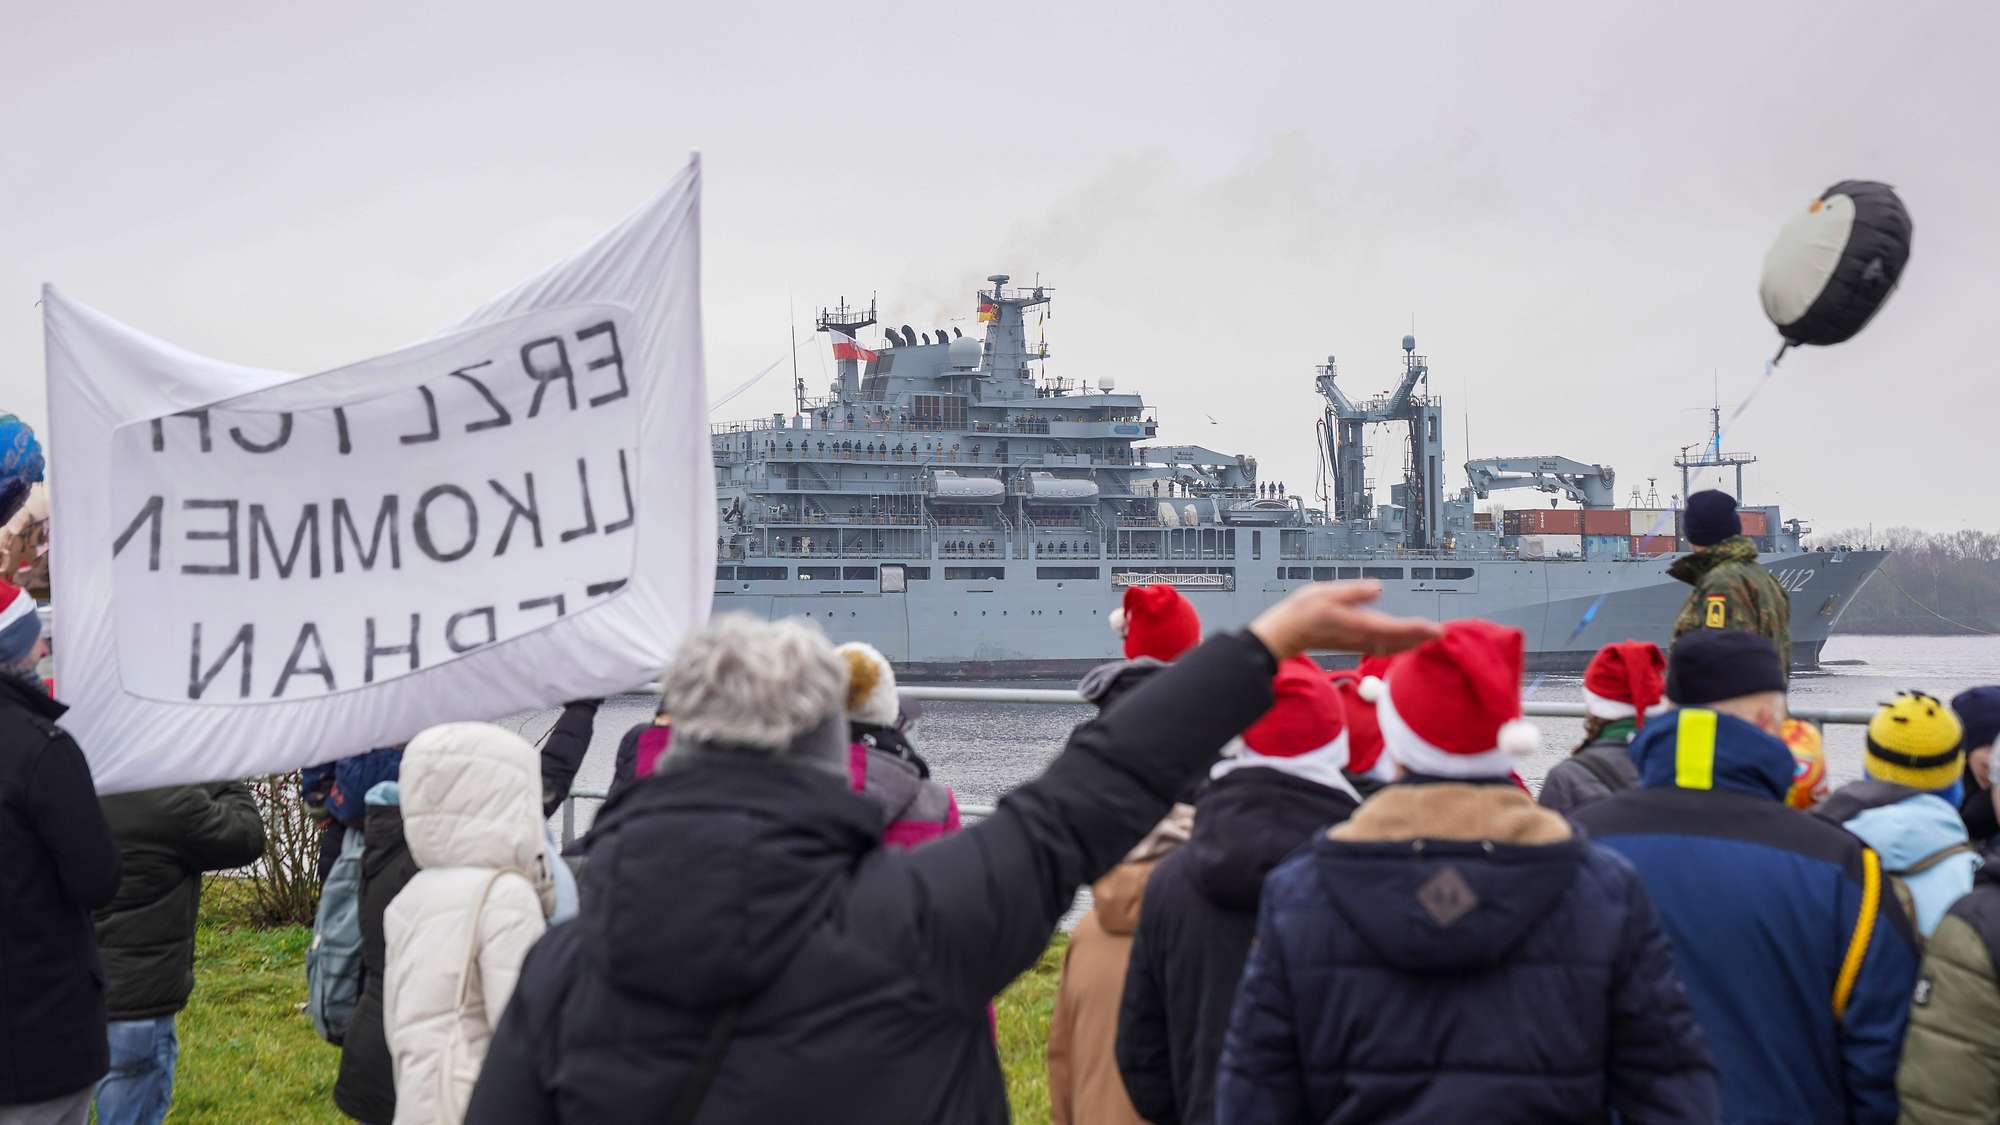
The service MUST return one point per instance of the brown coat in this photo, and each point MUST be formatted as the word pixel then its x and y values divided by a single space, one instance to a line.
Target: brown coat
pixel 1084 1086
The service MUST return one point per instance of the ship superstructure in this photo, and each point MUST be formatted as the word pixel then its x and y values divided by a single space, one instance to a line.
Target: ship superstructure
pixel 954 506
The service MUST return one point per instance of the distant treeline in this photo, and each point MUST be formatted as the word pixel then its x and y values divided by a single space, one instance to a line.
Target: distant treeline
pixel 1945 584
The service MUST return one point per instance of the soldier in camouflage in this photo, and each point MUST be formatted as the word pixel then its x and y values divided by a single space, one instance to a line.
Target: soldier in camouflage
pixel 1731 591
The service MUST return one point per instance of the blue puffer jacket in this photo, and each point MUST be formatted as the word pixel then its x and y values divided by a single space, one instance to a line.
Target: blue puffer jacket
pixel 1918 835
pixel 1799 962
pixel 1513 973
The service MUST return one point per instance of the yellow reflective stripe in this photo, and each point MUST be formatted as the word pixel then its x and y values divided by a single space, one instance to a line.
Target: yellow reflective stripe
pixel 1864 928
pixel 1694 750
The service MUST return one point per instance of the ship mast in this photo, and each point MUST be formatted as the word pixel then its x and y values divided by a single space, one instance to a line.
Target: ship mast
pixel 1712 456
pixel 846 321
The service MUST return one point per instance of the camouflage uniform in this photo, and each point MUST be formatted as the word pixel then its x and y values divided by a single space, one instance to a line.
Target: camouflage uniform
pixel 1732 592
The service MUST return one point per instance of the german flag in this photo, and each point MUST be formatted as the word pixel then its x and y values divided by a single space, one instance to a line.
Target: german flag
pixel 988 311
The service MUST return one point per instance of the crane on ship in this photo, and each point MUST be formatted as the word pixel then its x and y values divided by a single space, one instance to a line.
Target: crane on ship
pixel 1344 438
pixel 1589 485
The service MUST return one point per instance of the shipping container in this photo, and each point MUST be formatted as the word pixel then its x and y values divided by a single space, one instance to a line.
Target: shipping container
pixel 1607 521
pixel 1607 546
pixel 1545 521
pixel 1651 545
pixel 1648 521
pixel 1551 546
pixel 1482 521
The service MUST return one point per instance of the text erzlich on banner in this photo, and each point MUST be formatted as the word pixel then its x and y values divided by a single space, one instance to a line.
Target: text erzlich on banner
pixel 256 571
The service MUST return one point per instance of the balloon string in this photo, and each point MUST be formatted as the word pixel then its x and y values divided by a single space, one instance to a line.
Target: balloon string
pixel 1661 521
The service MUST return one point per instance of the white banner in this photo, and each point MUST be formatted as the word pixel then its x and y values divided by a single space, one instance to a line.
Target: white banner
pixel 257 571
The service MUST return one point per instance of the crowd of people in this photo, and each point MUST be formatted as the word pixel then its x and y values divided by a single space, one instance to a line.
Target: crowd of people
pixel 1319 896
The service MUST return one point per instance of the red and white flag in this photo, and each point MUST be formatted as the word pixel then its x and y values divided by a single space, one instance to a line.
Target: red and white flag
pixel 847 347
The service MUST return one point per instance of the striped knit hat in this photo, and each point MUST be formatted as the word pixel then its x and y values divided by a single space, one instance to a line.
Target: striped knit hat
pixel 20 625
pixel 1913 740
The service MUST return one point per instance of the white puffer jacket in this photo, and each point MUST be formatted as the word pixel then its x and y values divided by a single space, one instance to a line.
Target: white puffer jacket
pixel 458 932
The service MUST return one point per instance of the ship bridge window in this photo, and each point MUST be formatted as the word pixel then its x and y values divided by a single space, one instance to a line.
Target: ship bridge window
pixel 819 574
pixel 1393 573
pixel 974 573
pixel 1420 572
pixel 938 412
pixel 1066 572
pixel 1454 573
pixel 1299 573
pixel 915 573
pixel 1323 574
pixel 858 573
pixel 725 574
pixel 1346 572
pixel 761 573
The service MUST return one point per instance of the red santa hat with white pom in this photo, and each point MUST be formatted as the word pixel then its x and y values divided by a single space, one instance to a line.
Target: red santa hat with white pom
pixel 1627 680
pixel 1452 708
pixel 1156 621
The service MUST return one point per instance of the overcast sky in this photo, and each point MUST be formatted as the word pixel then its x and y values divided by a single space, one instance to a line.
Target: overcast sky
pixel 1572 200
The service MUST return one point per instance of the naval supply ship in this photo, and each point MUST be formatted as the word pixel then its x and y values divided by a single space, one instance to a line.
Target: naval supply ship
pixel 972 517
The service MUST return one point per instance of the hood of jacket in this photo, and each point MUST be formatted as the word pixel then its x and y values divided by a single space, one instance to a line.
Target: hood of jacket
pixel 1446 878
pixel 1116 896
pixel 704 881
pixel 1693 748
pixel 1247 822
pixel 1690 568
pixel 893 782
pixel 1903 825
pixel 472 797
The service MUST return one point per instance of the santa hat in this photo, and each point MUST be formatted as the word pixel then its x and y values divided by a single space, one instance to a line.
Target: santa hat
pixel 1156 621
pixel 1358 689
pixel 871 685
pixel 1627 680
pixel 1452 708
pixel 1302 734
pixel 20 625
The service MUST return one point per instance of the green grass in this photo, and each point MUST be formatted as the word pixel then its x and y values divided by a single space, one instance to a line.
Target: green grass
pixel 248 1053
pixel 1023 1014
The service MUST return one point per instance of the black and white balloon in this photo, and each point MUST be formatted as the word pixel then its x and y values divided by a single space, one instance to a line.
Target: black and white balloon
pixel 1835 263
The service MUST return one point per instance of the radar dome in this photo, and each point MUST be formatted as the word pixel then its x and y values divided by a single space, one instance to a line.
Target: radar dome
pixel 964 352
pixel 1409 343
pixel 1107 384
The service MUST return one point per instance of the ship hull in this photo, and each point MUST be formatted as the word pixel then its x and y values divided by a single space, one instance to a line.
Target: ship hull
pixel 1020 626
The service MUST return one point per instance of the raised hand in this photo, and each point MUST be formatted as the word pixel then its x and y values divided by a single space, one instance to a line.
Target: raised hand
pixel 1334 616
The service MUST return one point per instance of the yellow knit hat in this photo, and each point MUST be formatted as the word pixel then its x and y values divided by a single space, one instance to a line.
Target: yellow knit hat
pixel 1913 740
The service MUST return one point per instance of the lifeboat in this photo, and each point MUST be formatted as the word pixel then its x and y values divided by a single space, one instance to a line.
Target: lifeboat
pixel 949 487
pixel 1048 488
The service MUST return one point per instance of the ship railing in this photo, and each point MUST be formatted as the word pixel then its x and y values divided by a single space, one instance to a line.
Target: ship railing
pixel 1063 697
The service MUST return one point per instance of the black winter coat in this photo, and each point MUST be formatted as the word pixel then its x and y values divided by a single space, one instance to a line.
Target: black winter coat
pixel 861 973
pixel 366 1087
pixel 166 839
pixel 1490 978
pixel 58 862
pixel 1195 930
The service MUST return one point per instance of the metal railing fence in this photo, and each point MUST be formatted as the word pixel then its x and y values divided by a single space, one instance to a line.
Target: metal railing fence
pixel 1065 697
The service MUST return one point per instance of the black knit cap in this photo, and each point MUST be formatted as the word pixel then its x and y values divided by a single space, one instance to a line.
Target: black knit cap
pixel 1711 518
pixel 1711 665
pixel 1979 710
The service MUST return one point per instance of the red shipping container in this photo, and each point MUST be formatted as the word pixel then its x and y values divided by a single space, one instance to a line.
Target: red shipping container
pixel 1562 521
pixel 1607 521
pixel 1653 545
pixel 1755 523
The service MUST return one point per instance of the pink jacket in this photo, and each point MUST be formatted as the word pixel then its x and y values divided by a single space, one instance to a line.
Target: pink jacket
pixel 915 809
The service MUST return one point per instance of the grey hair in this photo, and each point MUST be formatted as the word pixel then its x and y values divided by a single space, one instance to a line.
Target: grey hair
pixel 746 682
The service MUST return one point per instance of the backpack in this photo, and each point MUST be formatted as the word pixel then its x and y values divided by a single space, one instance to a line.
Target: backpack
pixel 1899 886
pixel 333 960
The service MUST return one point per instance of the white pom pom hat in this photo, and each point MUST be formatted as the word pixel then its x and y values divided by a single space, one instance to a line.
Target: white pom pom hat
pixel 1452 708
